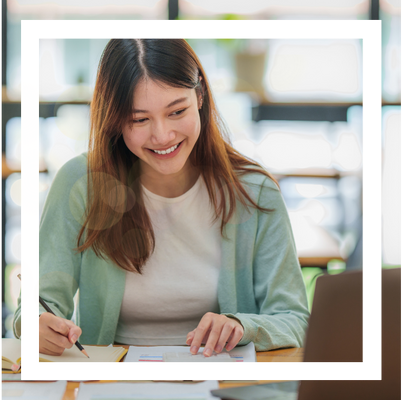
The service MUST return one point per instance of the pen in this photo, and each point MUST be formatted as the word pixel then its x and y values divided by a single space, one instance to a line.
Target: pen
pixel 48 309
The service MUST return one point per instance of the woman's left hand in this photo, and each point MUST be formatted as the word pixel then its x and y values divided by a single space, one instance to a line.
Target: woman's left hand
pixel 215 330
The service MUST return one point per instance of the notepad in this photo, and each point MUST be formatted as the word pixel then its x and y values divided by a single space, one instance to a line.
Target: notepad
pixel 11 356
pixel 155 353
pixel 96 354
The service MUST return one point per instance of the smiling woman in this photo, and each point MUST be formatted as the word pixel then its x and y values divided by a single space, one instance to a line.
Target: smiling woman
pixel 170 235
pixel 166 126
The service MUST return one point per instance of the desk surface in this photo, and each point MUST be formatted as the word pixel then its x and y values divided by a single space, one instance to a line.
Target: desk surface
pixel 283 355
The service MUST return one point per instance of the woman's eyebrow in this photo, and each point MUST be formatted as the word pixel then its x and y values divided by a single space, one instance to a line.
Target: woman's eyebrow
pixel 173 103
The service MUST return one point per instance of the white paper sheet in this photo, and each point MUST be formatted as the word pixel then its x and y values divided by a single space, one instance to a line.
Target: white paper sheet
pixel 155 353
pixel 33 391
pixel 147 391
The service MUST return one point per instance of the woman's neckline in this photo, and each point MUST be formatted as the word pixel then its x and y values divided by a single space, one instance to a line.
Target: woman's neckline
pixel 192 189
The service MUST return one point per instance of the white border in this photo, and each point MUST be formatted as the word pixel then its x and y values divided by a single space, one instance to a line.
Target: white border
pixel 369 31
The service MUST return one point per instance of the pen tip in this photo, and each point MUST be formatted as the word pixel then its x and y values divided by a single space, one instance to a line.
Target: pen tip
pixel 85 353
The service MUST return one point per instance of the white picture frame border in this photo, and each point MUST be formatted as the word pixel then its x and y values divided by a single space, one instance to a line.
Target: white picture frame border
pixel 368 31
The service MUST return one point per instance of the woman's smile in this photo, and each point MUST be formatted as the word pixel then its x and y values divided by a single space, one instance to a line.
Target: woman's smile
pixel 166 153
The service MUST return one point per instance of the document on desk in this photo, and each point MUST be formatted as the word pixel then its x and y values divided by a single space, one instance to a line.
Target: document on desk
pixel 147 391
pixel 33 391
pixel 157 353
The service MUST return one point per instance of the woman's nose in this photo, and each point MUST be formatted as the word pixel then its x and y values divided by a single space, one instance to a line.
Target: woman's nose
pixel 162 133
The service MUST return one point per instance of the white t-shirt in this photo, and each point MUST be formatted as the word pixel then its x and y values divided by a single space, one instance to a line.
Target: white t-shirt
pixel 179 283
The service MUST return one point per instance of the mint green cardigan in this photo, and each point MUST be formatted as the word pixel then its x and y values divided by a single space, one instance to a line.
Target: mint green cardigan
pixel 260 281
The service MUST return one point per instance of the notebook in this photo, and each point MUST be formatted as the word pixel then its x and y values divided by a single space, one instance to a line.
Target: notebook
pixel 11 356
pixel 95 353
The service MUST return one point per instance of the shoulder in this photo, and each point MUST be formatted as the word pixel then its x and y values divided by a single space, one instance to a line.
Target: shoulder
pixel 77 166
pixel 260 186
pixel 259 180
pixel 264 190
pixel 67 194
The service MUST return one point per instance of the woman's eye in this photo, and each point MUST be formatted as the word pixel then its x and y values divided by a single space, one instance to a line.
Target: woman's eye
pixel 179 112
pixel 138 121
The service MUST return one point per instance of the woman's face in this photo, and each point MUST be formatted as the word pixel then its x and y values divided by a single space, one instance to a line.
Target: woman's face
pixel 165 127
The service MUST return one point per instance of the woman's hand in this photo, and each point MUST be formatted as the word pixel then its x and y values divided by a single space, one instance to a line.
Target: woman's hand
pixel 215 330
pixel 56 334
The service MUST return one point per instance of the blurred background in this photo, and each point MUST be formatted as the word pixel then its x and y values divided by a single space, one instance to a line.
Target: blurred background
pixel 295 106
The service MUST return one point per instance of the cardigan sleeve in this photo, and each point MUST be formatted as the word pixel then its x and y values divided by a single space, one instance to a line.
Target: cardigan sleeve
pixel 61 221
pixel 279 290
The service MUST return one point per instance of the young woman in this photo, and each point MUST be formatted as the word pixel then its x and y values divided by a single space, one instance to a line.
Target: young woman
pixel 167 233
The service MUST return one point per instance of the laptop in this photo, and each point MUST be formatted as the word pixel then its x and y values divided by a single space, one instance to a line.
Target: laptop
pixel 335 335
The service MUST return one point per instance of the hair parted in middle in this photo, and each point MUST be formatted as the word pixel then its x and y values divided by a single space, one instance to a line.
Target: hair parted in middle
pixel 117 225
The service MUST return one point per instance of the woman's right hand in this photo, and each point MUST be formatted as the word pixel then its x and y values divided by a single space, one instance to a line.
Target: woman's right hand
pixel 56 334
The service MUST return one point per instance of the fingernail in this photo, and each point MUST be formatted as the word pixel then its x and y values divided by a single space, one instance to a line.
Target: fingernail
pixel 207 352
pixel 187 341
pixel 228 348
pixel 74 338
pixel 193 350
pixel 218 349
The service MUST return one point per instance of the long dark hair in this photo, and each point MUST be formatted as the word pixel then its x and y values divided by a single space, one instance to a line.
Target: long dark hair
pixel 117 225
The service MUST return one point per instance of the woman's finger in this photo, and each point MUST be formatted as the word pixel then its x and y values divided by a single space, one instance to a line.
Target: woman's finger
pixel 237 335
pixel 53 341
pixel 74 333
pixel 190 337
pixel 47 350
pixel 55 323
pixel 201 331
pixel 218 321
pixel 56 334
pixel 226 335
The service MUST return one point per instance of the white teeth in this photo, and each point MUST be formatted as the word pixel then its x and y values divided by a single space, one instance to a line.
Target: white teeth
pixel 166 151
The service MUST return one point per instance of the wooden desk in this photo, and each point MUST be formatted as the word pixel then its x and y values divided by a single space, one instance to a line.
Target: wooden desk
pixel 283 355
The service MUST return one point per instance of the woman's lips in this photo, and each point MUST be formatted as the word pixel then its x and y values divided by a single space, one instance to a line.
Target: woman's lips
pixel 168 155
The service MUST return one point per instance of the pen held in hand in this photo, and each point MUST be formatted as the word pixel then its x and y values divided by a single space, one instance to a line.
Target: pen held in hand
pixel 48 309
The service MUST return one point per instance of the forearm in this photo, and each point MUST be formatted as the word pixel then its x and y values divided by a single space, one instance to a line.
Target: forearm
pixel 270 332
